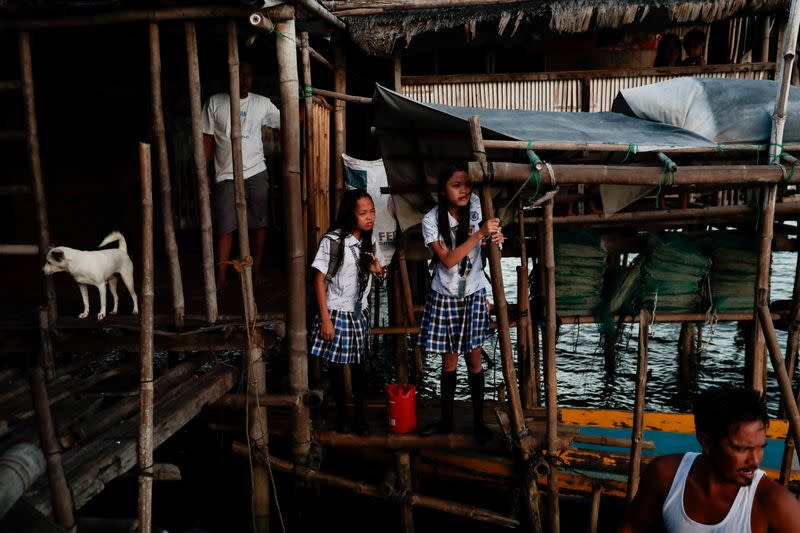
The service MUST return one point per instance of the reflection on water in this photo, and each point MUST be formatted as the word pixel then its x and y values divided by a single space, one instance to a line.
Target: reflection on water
pixel 582 380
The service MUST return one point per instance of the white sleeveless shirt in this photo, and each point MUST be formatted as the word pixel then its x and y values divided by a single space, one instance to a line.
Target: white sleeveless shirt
pixel 736 521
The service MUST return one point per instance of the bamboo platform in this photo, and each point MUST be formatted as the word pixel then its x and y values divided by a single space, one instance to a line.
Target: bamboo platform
pixel 94 403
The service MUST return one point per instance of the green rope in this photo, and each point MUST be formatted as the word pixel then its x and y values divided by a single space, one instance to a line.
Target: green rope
pixel 720 149
pixel 777 156
pixel 667 178
pixel 632 148
pixel 791 174
pixel 308 90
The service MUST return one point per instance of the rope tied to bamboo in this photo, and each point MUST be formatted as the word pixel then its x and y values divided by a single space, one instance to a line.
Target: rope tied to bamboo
pixel 239 264
pixel 535 177
pixel 667 178
pixel 308 91
pixel 632 149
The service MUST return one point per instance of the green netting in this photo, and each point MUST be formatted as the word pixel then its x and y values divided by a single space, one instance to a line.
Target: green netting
pixel 674 267
pixel 733 276
pixel 580 265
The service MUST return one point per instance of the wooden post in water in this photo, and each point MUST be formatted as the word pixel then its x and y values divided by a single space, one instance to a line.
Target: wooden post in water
pixel 256 374
pixel 145 446
pixel 296 256
pixel 549 345
pixel 520 431
pixel 59 489
pixel 339 120
pixel 638 407
pixel 34 159
pixel 160 139
pixel 203 193
pixel 686 363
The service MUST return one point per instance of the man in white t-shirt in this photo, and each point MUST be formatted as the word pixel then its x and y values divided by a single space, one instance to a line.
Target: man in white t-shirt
pixel 260 119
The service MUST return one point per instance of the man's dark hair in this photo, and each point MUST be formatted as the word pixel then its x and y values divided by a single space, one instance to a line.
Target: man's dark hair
pixel 694 38
pixel 717 409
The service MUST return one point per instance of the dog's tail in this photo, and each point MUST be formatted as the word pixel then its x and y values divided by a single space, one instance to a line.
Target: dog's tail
pixel 115 236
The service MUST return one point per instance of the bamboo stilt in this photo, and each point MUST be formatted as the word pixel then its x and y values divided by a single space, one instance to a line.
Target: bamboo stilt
pixel 403 460
pixel 523 359
pixel 686 363
pixel 46 354
pixel 308 128
pixel 501 310
pixel 296 257
pixel 401 342
pixel 792 341
pixel 397 68
pixel 526 323
pixel 59 489
pixel 145 446
pixel 408 306
pixel 34 159
pixel 256 378
pixel 638 408
pixel 339 121
pixel 203 184
pixel 778 365
pixel 160 137
pixel 550 361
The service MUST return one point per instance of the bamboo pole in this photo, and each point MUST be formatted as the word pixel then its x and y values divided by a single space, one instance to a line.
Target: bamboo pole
pixel 145 446
pixel 296 257
pixel 397 68
pixel 792 341
pixel 518 173
pixel 46 354
pixel 786 62
pixel 256 378
pixel 339 120
pixel 343 97
pixel 401 342
pixel 517 419
pixel 203 193
pixel 638 408
pixel 403 460
pixel 523 356
pixel 458 509
pixel 784 383
pixel 34 159
pixel 315 8
pixel 308 128
pixel 623 148
pixel 160 137
pixel 550 361
pixel 59 489
pixel 526 321
pixel 688 215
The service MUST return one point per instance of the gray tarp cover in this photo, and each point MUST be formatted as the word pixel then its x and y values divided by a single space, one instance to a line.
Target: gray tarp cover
pixel 418 139
pixel 721 110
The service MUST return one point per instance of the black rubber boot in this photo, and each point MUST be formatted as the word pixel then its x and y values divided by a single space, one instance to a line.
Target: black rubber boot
pixel 476 390
pixel 445 424
pixel 358 378
pixel 336 372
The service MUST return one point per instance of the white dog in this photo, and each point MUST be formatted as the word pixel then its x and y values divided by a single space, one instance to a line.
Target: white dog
pixel 96 267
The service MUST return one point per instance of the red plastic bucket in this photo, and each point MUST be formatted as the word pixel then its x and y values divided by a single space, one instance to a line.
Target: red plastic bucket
pixel 402 408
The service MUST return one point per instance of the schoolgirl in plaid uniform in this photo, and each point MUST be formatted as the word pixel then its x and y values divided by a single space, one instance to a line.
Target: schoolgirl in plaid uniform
pixel 339 331
pixel 456 318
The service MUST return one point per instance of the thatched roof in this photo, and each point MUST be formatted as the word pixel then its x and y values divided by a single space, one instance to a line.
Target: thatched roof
pixel 380 31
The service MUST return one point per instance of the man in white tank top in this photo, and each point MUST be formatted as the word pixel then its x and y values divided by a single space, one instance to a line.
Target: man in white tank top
pixel 720 490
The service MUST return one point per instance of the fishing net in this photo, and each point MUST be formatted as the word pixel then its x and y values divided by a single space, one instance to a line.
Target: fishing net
pixel 674 267
pixel 733 275
pixel 580 266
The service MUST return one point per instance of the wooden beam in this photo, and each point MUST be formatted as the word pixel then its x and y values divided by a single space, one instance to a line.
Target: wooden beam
pixel 127 16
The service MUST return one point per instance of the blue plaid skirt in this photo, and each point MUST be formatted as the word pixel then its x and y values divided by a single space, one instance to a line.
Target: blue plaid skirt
pixel 454 325
pixel 350 342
